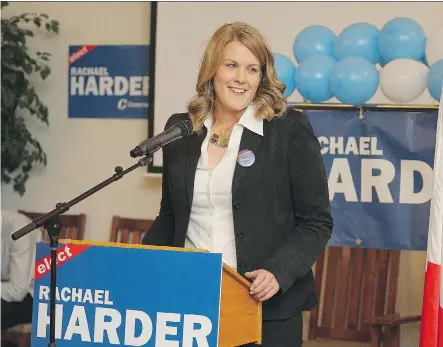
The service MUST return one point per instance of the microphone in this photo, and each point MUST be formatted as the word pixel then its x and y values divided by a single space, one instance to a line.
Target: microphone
pixel 25 230
pixel 175 132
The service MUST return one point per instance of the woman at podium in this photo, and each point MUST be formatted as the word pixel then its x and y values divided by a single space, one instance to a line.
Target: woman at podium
pixel 251 184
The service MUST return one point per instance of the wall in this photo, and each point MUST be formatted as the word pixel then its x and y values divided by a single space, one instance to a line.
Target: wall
pixel 83 152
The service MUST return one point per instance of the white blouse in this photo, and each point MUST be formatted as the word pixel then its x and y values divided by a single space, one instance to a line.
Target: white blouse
pixel 211 224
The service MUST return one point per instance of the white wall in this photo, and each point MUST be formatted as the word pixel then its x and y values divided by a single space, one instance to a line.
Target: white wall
pixel 83 152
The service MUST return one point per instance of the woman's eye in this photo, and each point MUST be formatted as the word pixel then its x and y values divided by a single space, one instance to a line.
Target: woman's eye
pixel 230 65
pixel 253 69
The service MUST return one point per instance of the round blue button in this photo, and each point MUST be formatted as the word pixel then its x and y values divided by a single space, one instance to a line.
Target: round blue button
pixel 245 158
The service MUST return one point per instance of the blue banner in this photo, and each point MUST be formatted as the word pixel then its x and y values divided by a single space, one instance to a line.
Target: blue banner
pixel 109 295
pixel 109 81
pixel 379 166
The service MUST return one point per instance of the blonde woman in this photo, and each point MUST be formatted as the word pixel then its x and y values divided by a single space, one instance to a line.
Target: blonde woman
pixel 251 185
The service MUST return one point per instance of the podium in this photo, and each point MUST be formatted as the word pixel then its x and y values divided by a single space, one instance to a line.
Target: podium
pixel 240 315
pixel 137 295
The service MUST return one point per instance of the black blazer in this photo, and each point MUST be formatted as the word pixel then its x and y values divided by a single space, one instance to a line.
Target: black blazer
pixel 282 216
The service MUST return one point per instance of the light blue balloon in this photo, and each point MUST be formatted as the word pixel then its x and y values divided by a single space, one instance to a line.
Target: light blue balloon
pixel 312 40
pixel 435 79
pixel 286 72
pixel 353 80
pixel 382 62
pixel 358 40
pixel 401 38
pixel 312 78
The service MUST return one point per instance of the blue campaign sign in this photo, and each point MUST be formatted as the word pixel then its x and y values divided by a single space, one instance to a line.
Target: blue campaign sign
pixel 108 81
pixel 380 175
pixel 109 295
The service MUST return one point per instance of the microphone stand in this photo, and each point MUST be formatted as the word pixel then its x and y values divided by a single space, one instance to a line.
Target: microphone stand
pixel 51 223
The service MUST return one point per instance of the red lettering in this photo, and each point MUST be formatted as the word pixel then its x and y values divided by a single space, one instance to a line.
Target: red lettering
pixel 64 254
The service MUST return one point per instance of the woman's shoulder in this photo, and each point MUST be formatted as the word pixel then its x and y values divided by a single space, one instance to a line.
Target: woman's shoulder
pixel 292 118
pixel 175 118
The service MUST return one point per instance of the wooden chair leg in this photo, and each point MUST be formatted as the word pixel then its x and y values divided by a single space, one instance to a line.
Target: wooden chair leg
pixel 27 339
pixel 393 336
pixel 17 339
pixel 375 335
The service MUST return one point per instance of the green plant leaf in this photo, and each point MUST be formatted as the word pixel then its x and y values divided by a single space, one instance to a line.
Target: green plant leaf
pixel 5 178
pixel 28 68
pixel 45 72
pixel 55 25
pixel 43 114
pixel 20 151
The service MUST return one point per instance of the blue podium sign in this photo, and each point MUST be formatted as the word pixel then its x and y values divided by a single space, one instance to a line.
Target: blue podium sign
pixel 130 296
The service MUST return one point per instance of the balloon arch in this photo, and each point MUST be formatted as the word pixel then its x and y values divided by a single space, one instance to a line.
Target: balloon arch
pixel 345 65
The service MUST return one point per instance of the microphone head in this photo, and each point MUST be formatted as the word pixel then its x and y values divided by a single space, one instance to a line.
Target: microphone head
pixel 185 127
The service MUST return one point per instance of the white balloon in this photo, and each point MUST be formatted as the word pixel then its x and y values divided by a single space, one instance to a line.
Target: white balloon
pixel 403 80
pixel 434 47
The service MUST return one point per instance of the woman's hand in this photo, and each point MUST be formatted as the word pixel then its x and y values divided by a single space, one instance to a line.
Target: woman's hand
pixel 264 285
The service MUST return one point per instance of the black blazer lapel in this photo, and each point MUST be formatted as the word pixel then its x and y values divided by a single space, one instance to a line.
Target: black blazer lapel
pixel 192 157
pixel 250 141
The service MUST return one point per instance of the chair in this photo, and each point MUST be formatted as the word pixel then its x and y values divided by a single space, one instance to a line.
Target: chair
pixel 20 335
pixel 129 230
pixel 73 227
pixel 357 289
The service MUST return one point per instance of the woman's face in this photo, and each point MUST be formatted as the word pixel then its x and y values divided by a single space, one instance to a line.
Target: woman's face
pixel 237 78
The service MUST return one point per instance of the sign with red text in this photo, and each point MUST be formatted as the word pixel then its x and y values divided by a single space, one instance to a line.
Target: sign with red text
pixel 115 296
pixel 108 81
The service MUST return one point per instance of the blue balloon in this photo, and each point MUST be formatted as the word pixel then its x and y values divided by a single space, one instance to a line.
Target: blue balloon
pixel 382 62
pixel 353 80
pixel 358 40
pixel 401 38
pixel 312 78
pixel 286 72
pixel 435 79
pixel 312 40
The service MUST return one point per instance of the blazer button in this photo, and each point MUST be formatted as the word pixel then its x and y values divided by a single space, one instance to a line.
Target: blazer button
pixel 242 263
pixel 236 206
pixel 240 235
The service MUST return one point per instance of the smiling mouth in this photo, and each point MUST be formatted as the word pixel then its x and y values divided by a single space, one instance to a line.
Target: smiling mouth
pixel 238 91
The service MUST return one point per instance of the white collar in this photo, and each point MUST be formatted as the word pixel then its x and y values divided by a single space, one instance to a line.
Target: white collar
pixel 247 120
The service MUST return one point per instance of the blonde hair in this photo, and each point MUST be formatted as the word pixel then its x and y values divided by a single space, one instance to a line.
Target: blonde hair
pixel 269 98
